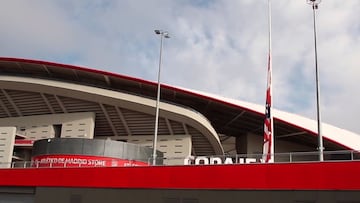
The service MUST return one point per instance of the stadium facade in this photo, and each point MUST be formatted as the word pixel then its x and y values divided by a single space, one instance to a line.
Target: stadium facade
pixel 74 134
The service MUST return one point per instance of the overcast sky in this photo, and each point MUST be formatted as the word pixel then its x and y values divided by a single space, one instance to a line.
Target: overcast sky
pixel 216 46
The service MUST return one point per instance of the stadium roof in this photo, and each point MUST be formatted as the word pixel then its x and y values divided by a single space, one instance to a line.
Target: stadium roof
pixel 228 117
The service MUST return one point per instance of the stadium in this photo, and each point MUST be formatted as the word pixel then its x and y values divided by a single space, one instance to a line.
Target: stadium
pixel 73 131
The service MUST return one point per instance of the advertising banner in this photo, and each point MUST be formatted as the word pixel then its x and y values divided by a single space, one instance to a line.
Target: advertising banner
pixel 68 160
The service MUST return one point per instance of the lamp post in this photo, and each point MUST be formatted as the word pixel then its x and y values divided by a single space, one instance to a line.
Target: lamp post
pixel 315 5
pixel 163 34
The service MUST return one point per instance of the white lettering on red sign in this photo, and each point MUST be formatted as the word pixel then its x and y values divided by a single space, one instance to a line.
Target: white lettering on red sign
pixel 82 161
pixel 203 160
pixel 71 161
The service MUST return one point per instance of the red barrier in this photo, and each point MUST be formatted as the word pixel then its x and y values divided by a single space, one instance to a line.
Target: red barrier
pixel 291 176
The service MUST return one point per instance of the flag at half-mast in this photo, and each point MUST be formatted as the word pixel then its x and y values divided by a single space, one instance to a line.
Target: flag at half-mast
pixel 268 121
pixel 268 147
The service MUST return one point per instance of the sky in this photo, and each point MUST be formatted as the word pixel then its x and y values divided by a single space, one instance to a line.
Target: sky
pixel 216 46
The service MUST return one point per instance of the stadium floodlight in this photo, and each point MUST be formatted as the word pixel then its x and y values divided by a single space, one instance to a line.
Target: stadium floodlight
pixel 163 34
pixel 314 3
pixel 315 6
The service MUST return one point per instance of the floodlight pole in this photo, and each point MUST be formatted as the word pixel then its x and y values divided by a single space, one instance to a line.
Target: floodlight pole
pixel 163 34
pixel 314 4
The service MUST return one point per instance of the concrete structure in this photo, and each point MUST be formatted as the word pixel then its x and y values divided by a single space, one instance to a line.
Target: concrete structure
pixel 79 152
pixel 7 140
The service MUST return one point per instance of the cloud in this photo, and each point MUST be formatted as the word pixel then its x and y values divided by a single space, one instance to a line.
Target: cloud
pixel 35 29
pixel 216 46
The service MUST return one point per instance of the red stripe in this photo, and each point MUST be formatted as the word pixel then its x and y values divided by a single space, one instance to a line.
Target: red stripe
pixel 24 142
pixel 296 176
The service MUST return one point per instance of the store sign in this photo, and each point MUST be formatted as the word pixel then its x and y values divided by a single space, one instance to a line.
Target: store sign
pixel 203 160
pixel 63 161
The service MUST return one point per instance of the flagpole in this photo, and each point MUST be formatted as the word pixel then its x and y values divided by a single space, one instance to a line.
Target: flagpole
pixel 268 145
pixel 272 146
pixel 270 81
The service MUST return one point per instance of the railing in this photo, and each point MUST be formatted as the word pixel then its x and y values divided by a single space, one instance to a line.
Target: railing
pixel 291 157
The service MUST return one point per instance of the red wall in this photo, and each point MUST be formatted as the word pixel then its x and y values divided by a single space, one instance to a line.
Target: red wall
pixel 295 176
